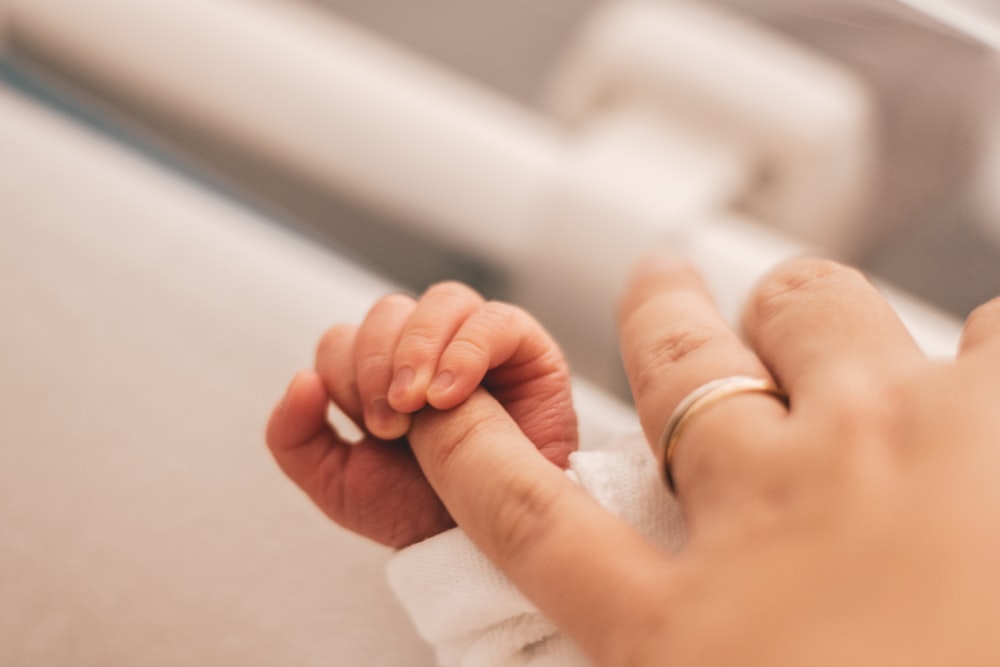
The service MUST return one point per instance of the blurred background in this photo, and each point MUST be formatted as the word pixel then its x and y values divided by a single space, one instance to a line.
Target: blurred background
pixel 476 140
pixel 192 190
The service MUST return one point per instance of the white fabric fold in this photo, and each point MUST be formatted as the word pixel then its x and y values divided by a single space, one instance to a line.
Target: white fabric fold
pixel 474 616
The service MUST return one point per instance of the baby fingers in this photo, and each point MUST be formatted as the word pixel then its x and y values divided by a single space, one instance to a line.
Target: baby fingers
pixel 374 346
pixel 438 315
pixel 497 336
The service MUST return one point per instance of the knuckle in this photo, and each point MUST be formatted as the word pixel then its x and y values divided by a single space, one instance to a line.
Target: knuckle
pixel 450 290
pixel 373 365
pixel 866 402
pixel 524 516
pixel 499 314
pixel 465 350
pixel 870 415
pixel 474 340
pixel 421 341
pixel 454 436
pixel 665 352
pixel 394 301
pixel 798 279
pixel 495 317
pixel 458 434
pixel 683 343
pixel 372 360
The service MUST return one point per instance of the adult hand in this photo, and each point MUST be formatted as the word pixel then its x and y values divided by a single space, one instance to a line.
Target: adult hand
pixel 856 526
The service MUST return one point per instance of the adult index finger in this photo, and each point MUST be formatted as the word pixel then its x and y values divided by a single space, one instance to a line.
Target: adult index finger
pixel 600 581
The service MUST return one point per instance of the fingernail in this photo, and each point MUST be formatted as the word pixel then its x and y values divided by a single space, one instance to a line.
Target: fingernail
pixel 400 386
pixel 386 420
pixel 381 413
pixel 442 382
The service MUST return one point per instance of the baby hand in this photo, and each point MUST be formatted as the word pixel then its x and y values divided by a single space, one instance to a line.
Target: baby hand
pixel 405 355
pixel 449 343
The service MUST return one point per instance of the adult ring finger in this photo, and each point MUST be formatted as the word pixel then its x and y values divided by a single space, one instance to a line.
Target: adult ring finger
pixel 674 340
pixel 702 397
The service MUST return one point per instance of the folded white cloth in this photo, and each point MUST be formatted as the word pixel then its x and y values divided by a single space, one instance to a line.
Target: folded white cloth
pixel 471 613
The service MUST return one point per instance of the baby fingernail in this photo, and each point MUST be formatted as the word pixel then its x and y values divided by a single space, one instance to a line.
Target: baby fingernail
pixel 401 383
pixel 382 414
pixel 442 382
pixel 386 420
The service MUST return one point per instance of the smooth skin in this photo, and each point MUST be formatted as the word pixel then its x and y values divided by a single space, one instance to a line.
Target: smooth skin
pixel 859 526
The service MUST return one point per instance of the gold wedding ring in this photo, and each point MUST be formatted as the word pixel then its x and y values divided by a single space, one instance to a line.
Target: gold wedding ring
pixel 707 394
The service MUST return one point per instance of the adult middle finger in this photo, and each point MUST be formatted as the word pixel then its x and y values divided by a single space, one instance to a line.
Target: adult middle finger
pixel 819 325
